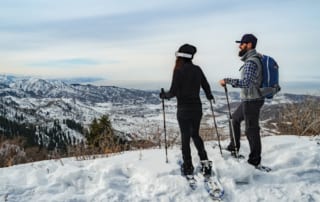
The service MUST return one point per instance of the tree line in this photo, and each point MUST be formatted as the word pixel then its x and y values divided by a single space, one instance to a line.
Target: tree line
pixel 53 141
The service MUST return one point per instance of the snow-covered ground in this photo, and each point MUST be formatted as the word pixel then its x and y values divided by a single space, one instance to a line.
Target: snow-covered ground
pixel 144 176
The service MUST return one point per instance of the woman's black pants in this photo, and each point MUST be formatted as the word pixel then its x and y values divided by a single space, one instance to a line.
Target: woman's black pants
pixel 189 123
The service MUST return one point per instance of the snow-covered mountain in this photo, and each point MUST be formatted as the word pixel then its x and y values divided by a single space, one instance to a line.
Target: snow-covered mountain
pixel 138 176
pixel 40 88
pixel 43 102
pixel 136 113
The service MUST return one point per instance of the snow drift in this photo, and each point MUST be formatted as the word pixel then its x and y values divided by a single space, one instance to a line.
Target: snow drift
pixel 144 176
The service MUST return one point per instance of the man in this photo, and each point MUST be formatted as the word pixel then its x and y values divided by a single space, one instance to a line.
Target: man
pixel 251 100
pixel 186 83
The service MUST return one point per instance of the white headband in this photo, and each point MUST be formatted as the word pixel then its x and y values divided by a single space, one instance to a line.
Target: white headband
pixel 184 55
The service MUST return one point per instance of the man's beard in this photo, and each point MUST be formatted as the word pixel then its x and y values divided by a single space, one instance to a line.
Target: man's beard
pixel 242 52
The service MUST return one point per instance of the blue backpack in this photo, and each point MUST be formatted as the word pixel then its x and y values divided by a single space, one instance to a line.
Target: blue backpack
pixel 270 77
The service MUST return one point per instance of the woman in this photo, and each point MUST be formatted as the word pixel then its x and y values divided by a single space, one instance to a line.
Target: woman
pixel 186 82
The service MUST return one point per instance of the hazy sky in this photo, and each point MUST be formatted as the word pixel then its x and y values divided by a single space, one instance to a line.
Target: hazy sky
pixel 133 41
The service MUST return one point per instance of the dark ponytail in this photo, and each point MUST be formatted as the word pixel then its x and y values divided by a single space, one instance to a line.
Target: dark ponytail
pixel 180 62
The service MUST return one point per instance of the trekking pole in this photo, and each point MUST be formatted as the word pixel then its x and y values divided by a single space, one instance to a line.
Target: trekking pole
pixel 215 125
pixel 164 127
pixel 230 123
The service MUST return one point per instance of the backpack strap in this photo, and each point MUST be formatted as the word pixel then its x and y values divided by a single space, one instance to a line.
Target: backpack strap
pixel 257 60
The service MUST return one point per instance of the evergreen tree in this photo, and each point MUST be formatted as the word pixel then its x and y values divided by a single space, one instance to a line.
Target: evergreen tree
pixel 101 134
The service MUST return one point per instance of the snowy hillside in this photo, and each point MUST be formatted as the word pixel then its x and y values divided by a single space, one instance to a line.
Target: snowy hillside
pixel 40 111
pixel 133 112
pixel 144 176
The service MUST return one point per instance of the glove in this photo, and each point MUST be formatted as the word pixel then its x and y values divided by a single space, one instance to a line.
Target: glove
pixel 210 97
pixel 162 95
pixel 165 95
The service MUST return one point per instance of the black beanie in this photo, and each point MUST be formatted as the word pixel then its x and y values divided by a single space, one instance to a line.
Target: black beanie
pixel 186 51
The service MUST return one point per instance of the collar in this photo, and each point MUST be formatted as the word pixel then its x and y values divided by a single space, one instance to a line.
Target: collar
pixel 248 54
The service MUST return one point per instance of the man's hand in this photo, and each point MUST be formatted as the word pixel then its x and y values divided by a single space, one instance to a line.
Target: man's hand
pixel 222 83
